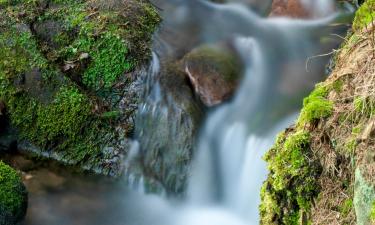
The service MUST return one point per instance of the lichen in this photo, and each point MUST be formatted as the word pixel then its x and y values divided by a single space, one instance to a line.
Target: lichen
pixel 364 196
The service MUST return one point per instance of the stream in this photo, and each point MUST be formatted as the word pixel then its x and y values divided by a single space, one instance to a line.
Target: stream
pixel 228 170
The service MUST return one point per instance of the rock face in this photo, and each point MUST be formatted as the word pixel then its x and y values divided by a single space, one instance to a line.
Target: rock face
pixel 214 72
pixel 330 151
pixel 13 196
pixel 69 78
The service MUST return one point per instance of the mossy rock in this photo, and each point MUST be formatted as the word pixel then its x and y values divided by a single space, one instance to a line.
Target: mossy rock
pixel 13 196
pixel 64 71
pixel 214 72
pixel 291 185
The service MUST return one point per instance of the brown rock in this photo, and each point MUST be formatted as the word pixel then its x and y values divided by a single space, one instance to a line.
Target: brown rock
pixel 214 73
pixel 289 8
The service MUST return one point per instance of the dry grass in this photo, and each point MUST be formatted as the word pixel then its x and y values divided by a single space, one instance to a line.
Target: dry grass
pixel 345 140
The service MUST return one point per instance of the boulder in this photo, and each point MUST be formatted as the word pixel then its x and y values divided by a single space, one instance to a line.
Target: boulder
pixel 13 196
pixel 167 129
pixel 214 73
pixel 69 78
pixel 289 8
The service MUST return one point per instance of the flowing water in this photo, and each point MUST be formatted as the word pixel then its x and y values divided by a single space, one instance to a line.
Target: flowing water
pixel 228 170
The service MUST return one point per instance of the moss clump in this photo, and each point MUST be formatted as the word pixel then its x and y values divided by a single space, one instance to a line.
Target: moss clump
pixel 365 15
pixel 65 116
pixel 292 183
pixel 316 106
pixel 372 215
pixel 346 207
pixel 109 61
pixel 61 116
pixel 13 196
pixel 116 38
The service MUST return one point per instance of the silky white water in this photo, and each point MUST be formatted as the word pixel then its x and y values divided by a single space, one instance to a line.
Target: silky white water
pixel 280 67
pixel 279 70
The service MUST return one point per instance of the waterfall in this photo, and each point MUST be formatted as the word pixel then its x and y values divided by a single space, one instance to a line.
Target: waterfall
pixel 279 69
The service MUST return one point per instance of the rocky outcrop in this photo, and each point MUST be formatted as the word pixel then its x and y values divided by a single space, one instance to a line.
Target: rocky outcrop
pixel 322 169
pixel 69 77
pixel 13 196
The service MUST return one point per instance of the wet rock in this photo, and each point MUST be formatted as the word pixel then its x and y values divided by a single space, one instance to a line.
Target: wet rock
pixel 66 91
pixel 289 8
pixel 214 73
pixel 168 125
pixel 8 142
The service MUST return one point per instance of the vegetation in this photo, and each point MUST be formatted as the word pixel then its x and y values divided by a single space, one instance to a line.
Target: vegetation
pixel 292 182
pixel 365 15
pixel 13 196
pixel 316 106
pixel 315 167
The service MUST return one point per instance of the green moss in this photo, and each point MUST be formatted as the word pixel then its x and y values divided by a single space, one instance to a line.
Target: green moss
pixel 116 40
pixel 13 196
pixel 291 185
pixel 365 15
pixel 372 215
pixel 346 207
pixel 219 60
pixel 109 61
pixel 19 52
pixel 337 86
pixel 357 130
pixel 70 110
pixel 351 145
pixel 65 122
pixel 316 106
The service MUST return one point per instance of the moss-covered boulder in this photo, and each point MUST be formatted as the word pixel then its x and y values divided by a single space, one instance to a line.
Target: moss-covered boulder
pixel 214 72
pixel 322 169
pixel 68 76
pixel 13 196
